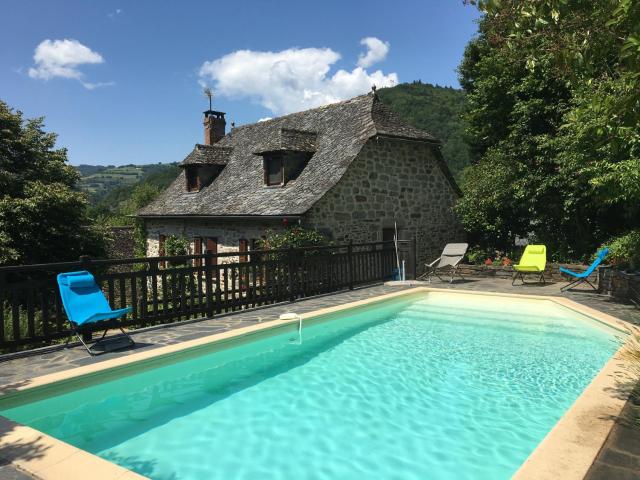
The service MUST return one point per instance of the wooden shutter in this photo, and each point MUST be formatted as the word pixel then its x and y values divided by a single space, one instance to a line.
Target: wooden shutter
pixel 161 239
pixel 244 247
pixel 212 246
pixel 197 250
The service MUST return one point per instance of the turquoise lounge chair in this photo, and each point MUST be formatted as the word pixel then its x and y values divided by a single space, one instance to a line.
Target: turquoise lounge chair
pixel 86 305
pixel 583 277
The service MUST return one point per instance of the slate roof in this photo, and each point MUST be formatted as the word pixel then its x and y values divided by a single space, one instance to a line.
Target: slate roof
pixel 340 130
pixel 290 139
pixel 208 155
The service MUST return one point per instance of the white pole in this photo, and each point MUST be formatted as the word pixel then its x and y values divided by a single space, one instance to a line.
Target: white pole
pixel 404 276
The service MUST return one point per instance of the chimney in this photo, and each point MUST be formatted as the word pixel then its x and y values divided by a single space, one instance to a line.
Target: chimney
pixel 214 126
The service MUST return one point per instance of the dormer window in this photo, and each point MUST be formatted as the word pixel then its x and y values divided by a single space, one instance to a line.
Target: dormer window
pixel 285 154
pixel 203 165
pixel 200 176
pixel 281 168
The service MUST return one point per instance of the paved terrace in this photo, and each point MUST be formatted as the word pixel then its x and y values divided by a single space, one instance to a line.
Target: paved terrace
pixel 619 459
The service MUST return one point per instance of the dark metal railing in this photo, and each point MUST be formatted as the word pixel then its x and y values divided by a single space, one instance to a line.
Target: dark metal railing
pixel 175 288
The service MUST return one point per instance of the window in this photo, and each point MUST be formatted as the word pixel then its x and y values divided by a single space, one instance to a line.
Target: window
pixel 244 247
pixel 283 167
pixel 273 171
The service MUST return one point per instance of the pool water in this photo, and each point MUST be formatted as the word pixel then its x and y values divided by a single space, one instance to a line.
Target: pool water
pixel 437 386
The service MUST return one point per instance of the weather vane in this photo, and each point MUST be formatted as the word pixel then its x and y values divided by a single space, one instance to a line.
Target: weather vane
pixel 208 93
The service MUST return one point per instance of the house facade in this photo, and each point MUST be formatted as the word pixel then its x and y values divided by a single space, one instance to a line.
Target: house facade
pixel 351 170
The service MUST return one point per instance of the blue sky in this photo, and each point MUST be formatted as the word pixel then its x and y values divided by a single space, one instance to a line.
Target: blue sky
pixel 121 82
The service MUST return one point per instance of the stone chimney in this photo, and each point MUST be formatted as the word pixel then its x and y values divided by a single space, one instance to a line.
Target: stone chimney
pixel 214 126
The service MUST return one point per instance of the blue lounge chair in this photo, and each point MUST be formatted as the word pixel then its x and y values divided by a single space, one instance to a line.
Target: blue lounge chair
pixel 583 277
pixel 86 305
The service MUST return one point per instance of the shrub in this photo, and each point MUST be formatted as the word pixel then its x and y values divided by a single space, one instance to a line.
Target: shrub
pixel 174 246
pixel 294 237
pixel 624 251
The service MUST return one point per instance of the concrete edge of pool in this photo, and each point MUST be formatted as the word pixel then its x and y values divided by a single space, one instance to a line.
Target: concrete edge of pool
pixel 567 451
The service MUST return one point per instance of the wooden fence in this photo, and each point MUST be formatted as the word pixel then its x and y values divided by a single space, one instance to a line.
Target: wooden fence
pixel 172 289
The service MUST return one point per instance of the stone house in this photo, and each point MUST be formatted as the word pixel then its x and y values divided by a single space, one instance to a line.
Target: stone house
pixel 350 170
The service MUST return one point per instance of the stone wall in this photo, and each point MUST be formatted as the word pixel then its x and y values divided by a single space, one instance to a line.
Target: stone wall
pixel 391 181
pixel 551 273
pixel 228 233
pixel 620 285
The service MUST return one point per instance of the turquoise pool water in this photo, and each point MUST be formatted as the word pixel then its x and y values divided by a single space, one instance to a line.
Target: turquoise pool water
pixel 436 386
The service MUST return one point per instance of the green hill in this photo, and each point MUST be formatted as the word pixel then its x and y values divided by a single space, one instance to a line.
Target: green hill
pixel 438 110
pixel 99 181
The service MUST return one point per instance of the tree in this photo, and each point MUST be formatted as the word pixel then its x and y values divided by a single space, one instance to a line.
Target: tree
pixel 42 216
pixel 554 117
pixel 438 110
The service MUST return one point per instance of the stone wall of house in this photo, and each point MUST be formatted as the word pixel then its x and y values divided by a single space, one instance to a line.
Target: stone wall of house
pixel 392 180
pixel 227 233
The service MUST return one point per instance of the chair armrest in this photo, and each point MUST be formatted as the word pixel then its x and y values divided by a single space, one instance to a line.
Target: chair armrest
pixel 434 262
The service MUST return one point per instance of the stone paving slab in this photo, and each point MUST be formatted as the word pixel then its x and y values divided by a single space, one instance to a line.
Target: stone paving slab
pixel 20 369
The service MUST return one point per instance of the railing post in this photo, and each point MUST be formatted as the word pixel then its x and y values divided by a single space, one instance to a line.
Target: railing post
pixel 208 262
pixel 85 263
pixel 2 295
pixel 292 296
pixel 350 264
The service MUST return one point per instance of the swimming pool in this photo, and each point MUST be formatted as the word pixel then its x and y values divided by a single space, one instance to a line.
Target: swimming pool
pixel 428 385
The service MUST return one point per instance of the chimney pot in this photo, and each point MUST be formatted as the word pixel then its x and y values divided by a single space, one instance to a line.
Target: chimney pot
pixel 214 126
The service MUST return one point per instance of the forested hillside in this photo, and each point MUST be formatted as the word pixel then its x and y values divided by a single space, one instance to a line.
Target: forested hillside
pixel 438 110
pixel 98 181
pixel 124 199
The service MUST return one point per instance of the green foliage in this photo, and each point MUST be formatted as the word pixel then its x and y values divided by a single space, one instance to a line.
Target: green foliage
pixel 437 110
pixel 175 246
pixel 108 185
pixel 294 237
pixel 554 125
pixel 43 218
pixel 624 251
pixel 119 206
pixel 477 255
pixel 125 200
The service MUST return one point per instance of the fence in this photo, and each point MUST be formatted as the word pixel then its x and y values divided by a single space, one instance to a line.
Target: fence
pixel 170 289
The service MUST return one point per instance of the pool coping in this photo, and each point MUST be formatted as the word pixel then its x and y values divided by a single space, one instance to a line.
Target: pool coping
pixel 567 451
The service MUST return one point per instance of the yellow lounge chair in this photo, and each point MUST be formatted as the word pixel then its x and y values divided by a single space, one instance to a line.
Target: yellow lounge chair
pixel 533 260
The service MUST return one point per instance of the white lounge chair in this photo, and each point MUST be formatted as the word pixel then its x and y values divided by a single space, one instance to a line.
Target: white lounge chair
pixel 451 256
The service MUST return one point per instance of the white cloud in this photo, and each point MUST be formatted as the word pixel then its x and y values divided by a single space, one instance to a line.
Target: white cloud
pixel 377 51
pixel 61 58
pixel 289 80
pixel 112 15
pixel 264 119
pixel 93 86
